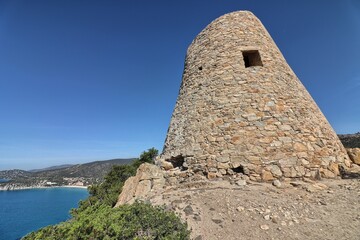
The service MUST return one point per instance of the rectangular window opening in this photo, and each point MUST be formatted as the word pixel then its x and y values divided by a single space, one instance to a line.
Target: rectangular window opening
pixel 252 58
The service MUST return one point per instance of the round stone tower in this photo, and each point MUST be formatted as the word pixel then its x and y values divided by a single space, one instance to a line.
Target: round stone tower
pixel 241 109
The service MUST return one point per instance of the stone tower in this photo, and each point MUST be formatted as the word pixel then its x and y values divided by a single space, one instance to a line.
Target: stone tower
pixel 242 109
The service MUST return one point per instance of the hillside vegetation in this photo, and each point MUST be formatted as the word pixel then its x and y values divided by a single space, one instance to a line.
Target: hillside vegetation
pixel 97 219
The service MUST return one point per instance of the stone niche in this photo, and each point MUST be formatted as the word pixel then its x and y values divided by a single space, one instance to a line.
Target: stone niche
pixel 241 111
pixel 252 58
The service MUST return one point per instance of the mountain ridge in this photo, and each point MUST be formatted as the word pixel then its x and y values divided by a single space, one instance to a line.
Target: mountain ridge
pixel 84 174
pixel 51 168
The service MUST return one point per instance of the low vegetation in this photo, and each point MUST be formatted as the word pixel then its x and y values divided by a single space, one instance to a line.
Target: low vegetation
pixel 136 221
pixel 108 191
pixel 97 219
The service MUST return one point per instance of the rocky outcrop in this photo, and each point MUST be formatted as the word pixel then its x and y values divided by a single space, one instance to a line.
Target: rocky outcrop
pixel 149 180
pixel 354 154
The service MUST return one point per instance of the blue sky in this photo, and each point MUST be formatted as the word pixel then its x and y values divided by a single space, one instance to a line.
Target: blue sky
pixel 94 80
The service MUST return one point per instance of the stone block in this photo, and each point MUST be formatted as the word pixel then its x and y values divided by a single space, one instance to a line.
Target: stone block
pixel 166 165
pixel 334 167
pixel 285 127
pixel 288 162
pixel 354 154
pixel 223 159
pixel 275 171
pixel 211 175
pixel 299 147
pixel 223 165
pixel 325 173
pixel 266 176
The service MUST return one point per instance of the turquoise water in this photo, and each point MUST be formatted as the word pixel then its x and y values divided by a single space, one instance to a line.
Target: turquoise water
pixel 3 180
pixel 23 211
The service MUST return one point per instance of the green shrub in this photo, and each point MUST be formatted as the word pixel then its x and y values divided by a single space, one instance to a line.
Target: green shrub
pixel 136 221
pixel 108 191
pixel 97 219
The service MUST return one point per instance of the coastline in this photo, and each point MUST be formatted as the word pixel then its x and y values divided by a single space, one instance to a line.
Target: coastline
pixel 74 186
pixel 18 188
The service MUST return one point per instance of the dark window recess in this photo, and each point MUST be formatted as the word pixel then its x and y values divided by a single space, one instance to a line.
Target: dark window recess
pixel 252 58
pixel 178 161
pixel 239 169
pixel 200 68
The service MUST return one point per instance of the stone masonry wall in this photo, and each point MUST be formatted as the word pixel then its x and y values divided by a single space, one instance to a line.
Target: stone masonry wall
pixel 257 120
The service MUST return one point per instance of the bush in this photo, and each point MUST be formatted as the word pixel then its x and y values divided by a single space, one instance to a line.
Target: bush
pixel 136 221
pixel 97 219
pixel 108 192
pixel 146 157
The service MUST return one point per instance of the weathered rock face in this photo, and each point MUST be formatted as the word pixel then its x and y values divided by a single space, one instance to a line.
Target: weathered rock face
pixel 354 154
pixel 148 180
pixel 242 109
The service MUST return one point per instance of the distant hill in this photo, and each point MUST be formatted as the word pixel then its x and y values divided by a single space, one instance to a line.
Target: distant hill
pixel 96 169
pixel 79 174
pixel 52 168
pixel 350 140
pixel 13 174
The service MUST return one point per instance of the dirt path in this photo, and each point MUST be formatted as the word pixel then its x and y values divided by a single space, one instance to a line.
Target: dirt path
pixel 328 209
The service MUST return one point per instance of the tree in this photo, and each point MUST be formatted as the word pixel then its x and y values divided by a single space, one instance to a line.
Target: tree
pixel 146 157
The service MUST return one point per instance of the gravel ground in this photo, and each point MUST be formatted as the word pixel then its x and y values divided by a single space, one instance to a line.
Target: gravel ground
pixel 327 209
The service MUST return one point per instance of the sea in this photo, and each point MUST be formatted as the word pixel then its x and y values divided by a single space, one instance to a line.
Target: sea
pixel 24 211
